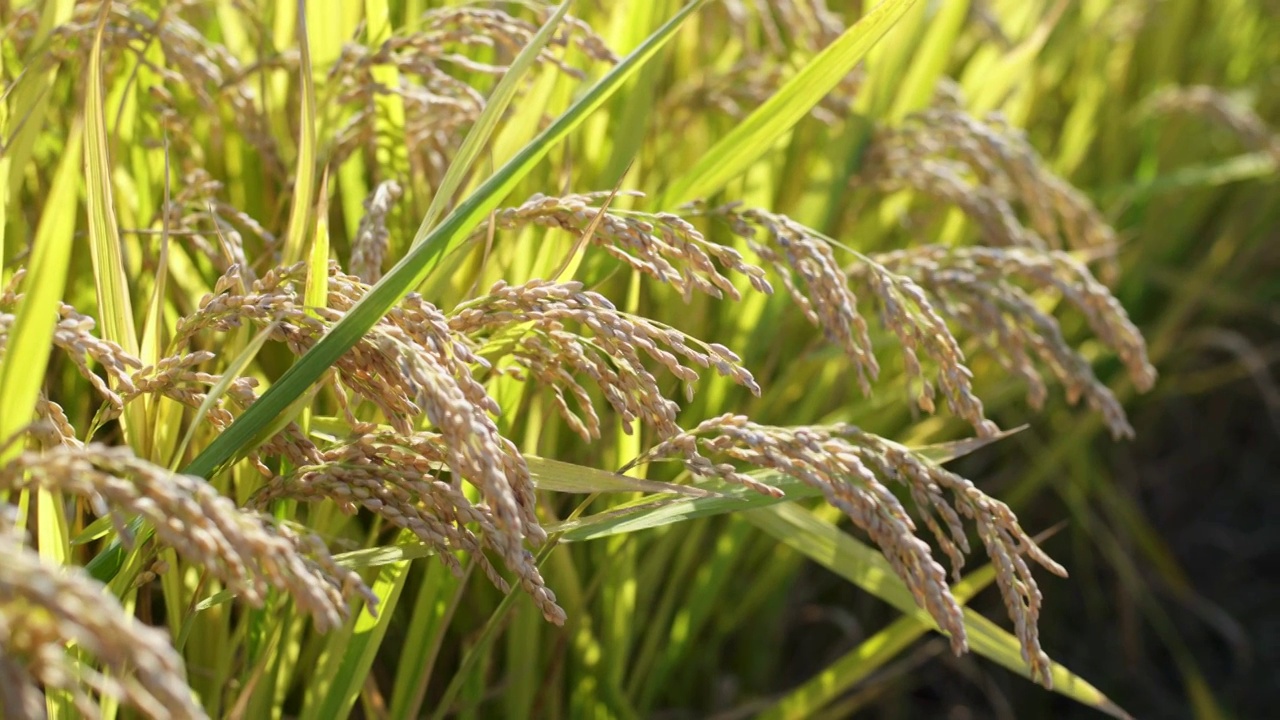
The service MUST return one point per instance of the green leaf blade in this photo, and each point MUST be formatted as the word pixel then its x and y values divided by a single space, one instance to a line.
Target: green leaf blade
pixel 760 131
pixel 867 568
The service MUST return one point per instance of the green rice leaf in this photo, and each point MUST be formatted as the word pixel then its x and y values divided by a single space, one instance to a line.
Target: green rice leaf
pixel 29 99
pixel 945 452
pixel 304 184
pixel 564 477
pixel 1249 166
pixel 760 131
pixel 867 568
pixel 654 512
pixel 385 555
pixel 345 664
pixel 930 61
pixel 115 304
pixel 30 341
pixel 316 294
pixel 93 531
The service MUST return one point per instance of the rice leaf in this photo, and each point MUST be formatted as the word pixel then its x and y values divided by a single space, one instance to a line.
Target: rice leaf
pixel 867 568
pixel 30 98
pixel 304 183
pixel 115 304
pixel 30 341
pixel 945 452
pixel 348 655
pixel 929 62
pixel 317 290
pixel 759 132
pixel 558 476
pixel 653 512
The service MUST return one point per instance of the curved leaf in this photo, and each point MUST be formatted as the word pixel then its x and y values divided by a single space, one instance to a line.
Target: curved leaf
pixel 865 567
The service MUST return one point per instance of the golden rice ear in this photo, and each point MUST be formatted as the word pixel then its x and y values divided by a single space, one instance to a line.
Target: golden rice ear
pixel 988 170
pixel 989 293
pixel 45 608
pixel 396 477
pixel 983 291
pixel 662 245
pixel 247 551
pixel 807 266
pixel 412 364
pixel 369 247
pixel 437 107
pixel 852 469
pixel 823 290
pixel 574 331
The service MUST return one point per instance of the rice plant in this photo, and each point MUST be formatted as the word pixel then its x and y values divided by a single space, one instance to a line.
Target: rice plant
pixel 627 310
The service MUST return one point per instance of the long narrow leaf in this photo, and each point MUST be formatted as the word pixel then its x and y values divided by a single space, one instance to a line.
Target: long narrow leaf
pixel 868 569
pixel 566 477
pixel 30 100
pixel 654 512
pixel 346 665
pixel 30 338
pixel 756 135
pixel 115 306
pixel 304 185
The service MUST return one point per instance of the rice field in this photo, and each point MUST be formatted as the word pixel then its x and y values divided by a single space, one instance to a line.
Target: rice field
pixel 663 359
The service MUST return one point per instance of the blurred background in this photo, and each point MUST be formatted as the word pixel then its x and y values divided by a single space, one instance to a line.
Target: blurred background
pixel 1173 539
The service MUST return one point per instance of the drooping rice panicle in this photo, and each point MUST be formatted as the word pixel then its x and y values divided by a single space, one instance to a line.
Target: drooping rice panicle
pixel 44 608
pixel 809 270
pixel 369 246
pixel 851 468
pixel 661 245
pixel 411 365
pixel 244 549
pixel 614 356
pixel 985 291
pixel 396 478
pixel 988 170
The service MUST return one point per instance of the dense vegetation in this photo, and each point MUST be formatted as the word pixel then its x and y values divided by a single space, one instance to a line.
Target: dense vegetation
pixel 674 321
